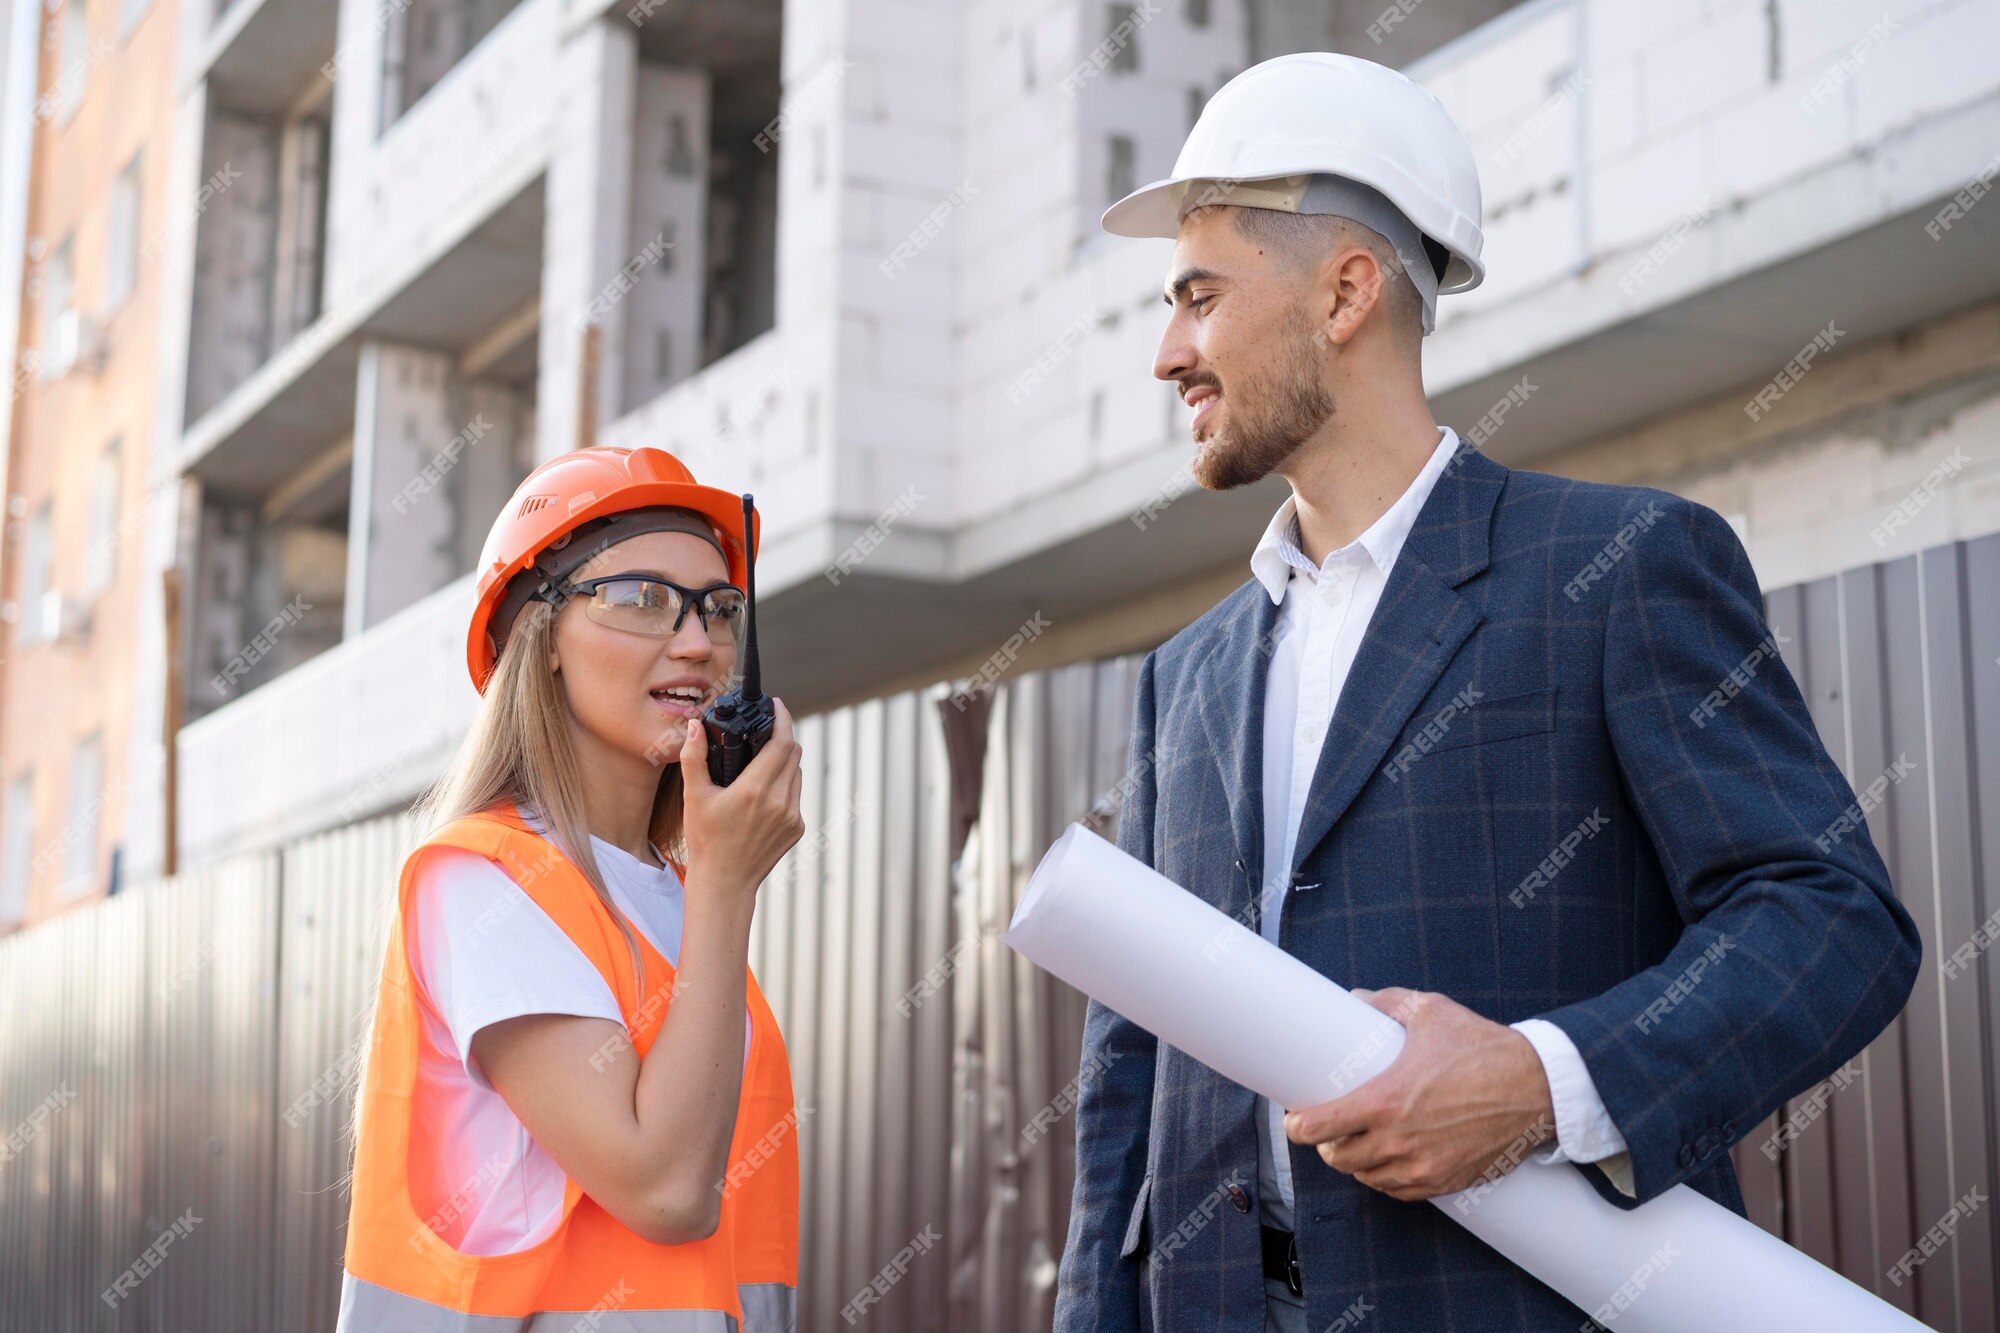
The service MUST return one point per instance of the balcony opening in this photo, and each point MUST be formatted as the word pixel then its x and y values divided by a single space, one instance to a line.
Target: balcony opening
pixel 423 40
pixel 704 191
pixel 270 576
pixel 260 242
pixel 370 483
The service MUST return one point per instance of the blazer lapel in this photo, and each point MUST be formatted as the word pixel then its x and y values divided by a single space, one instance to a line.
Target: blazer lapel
pixel 1229 684
pixel 1416 630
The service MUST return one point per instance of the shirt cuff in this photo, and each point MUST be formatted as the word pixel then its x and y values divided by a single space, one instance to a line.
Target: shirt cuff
pixel 1584 1132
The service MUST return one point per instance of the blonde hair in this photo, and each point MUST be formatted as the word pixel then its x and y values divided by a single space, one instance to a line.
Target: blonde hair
pixel 518 750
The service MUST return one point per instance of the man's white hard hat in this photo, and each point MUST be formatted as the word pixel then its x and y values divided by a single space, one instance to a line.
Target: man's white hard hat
pixel 1317 112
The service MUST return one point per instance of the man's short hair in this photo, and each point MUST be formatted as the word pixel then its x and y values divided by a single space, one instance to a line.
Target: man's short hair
pixel 1304 239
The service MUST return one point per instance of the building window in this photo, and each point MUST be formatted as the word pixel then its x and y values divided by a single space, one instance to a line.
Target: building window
pixel 101 557
pixel 129 14
pixel 1197 13
pixel 86 803
pixel 36 552
pixel 17 839
pixel 121 263
pixel 1118 180
pixel 58 311
pixel 72 60
pixel 1122 35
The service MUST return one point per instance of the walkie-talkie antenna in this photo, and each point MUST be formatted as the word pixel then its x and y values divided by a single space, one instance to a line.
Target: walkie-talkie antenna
pixel 753 675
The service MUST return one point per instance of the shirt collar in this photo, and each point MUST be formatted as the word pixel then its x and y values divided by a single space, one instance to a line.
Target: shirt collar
pixel 1277 553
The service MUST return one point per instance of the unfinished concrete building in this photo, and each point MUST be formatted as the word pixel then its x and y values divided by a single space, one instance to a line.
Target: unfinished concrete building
pixel 845 253
pixel 431 243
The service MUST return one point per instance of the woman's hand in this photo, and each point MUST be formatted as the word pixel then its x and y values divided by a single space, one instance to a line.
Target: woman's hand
pixel 736 834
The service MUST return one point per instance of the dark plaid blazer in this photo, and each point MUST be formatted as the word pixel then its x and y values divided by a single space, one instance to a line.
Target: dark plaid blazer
pixel 1568 777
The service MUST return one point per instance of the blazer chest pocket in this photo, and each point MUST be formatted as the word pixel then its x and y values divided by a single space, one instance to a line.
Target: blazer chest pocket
pixel 1488 718
pixel 1135 1226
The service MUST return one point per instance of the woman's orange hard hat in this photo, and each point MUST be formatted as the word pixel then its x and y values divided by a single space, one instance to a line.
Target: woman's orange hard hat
pixel 572 489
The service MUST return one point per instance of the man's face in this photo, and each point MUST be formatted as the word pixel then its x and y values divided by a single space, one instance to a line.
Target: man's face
pixel 1240 345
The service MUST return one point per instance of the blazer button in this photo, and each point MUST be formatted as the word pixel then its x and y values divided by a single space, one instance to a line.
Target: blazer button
pixel 1240 1197
pixel 1686 1155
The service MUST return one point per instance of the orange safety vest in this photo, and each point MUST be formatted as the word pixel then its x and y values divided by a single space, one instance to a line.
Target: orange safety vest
pixel 591 1272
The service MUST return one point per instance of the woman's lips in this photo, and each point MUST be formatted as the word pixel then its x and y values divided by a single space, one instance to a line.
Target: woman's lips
pixel 677 707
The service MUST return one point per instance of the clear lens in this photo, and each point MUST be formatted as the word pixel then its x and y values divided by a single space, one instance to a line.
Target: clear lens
pixel 642 606
pixel 726 618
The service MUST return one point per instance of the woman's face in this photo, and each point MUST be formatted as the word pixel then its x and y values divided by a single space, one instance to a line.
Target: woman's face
pixel 630 692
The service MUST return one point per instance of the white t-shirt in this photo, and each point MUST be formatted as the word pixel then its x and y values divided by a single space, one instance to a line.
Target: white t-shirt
pixel 484 951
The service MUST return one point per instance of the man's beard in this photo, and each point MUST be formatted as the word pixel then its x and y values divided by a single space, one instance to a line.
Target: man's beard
pixel 1256 442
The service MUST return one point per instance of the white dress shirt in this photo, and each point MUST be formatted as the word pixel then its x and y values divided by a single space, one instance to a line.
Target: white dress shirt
pixel 1323 612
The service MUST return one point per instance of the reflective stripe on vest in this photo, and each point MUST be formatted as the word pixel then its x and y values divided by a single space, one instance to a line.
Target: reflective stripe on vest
pixel 591 1273
pixel 767 1308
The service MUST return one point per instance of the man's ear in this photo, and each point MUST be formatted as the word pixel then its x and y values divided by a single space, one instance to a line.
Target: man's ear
pixel 1350 284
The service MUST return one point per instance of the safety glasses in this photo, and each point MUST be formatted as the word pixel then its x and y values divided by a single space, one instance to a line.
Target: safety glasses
pixel 640 604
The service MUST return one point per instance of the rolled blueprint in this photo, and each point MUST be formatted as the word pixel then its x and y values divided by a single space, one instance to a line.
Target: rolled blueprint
pixel 1151 951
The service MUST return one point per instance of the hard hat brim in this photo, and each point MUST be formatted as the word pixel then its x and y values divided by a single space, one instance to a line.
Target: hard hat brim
pixel 1147 211
pixel 1150 211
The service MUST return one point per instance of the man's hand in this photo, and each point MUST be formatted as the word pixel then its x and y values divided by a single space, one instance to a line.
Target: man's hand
pixel 1464 1097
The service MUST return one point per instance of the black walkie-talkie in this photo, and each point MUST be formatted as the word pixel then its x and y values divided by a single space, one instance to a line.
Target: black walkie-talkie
pixel 740 721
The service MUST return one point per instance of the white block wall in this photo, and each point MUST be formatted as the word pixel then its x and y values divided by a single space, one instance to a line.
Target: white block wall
pixel 903 188
pixel 1906 427
pixel 1598 125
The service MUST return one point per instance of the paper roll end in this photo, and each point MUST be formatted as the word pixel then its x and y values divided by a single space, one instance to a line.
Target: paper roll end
pixel 1041 885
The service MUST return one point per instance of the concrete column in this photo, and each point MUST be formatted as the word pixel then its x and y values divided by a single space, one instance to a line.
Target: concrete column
pixel 356 72
pixel 231 333
pixel 903 203
pixel 666 261
pixel 493 464
pixel 435 455
pixel 587 225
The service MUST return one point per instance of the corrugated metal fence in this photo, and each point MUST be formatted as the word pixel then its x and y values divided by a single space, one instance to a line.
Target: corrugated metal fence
pixel 172 1062
pixel 1900 663
pixel 174 1066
